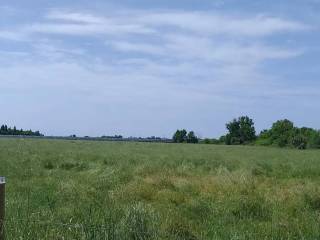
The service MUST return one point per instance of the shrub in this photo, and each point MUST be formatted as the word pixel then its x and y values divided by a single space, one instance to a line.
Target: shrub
pixel 281 141
pixel 315 140
pixel 299 142
pixel 263 142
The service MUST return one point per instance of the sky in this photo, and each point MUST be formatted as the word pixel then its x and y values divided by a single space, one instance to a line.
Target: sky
pixel 144 68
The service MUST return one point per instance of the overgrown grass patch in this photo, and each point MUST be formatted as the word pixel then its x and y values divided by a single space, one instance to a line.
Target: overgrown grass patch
pixel 117 190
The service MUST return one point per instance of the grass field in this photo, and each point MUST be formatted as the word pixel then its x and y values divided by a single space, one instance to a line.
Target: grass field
pixel 105 190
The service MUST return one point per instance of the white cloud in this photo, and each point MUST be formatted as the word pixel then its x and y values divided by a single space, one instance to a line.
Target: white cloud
pixel 186 36
pixel 182 47
pixel 86 29
pixel 75 23
pixel 75 17
pixel 211 50
pixel 211 23
pixel 137 60
pixel 137 47
pixel 220 42
pixel 144 22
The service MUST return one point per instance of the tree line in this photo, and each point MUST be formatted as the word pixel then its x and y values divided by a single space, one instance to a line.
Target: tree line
pixel 5 130
pixel 241 131
pixel 182 136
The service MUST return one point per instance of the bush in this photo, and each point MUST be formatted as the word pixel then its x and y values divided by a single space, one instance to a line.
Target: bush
pixel 263 142
pixel 284 134
pixel 299 142
pixel 315 140
pixel 281 141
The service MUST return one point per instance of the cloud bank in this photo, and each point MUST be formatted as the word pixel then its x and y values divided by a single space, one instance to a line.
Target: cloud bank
pixel 143 72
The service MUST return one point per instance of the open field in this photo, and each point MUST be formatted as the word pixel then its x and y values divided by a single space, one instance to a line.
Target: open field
pixel 117 190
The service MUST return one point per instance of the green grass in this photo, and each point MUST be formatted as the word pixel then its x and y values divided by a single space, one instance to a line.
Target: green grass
pixel 117 190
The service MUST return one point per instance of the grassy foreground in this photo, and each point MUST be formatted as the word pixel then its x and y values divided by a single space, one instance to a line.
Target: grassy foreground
pixel 104 190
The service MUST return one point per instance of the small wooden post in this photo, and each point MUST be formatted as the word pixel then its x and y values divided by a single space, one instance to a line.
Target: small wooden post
pixel 2 206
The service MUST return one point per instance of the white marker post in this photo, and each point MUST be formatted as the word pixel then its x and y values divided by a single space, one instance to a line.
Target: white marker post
pixel 2 205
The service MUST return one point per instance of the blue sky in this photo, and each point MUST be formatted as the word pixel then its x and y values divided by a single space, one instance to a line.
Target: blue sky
pixel 142 67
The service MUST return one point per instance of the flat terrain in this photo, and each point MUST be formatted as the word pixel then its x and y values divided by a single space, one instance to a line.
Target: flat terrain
pixel 105 190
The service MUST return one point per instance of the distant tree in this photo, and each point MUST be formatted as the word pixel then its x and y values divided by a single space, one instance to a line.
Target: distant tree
pixel 5 130
pixel 192 138
pixel 282 132
pixel 37 133
pixel 180 136
pixel 241 131
pixel 222 139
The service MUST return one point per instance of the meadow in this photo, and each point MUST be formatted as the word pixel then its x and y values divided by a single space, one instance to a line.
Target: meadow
pixel 123 190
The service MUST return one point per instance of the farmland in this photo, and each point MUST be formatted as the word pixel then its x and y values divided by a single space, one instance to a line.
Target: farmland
pixel 116 190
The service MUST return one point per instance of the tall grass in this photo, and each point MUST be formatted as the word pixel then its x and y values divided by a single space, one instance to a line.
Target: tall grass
pixel 104 190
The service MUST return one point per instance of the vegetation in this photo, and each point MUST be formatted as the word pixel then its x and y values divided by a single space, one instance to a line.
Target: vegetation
pixel 241 131
pixel 112 137
pixel 284 134
pixel 182 136
pixel 118 190
pixel 5 130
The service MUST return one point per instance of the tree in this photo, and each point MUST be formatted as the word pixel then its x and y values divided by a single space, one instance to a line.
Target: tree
pixel 281 132
pixel 5 130
pixel 191 138
pixel 180 136
pixel 241 131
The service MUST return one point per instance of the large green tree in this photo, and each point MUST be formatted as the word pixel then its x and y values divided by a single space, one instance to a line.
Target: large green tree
pixel 180 136
pixel 192 138
pixel 282 132
pixel 241 131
